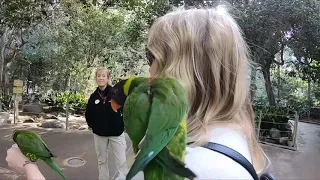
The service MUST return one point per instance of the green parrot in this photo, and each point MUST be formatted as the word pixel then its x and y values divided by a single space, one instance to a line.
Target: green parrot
pixel 154 112
pixel 33 147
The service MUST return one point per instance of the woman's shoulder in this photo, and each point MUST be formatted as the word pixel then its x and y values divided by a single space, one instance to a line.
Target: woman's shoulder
pixel 208 164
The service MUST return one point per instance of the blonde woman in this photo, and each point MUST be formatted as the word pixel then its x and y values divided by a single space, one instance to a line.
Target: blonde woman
pixel 205 50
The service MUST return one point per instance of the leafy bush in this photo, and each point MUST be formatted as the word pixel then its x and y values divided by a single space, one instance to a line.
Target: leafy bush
pixel 77 101
pixel 274 117
pixel 5 101
pixel 300 104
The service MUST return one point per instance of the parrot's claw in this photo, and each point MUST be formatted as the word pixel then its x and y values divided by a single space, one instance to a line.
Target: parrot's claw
pixel 15 145
pixel 151 80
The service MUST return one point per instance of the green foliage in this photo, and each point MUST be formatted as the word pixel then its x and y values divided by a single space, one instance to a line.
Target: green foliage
pixel 21 14
pixel 294 93
pixel 260 101
pixel 5 101
pixel 311 71
pixel 80 39
pixel 69 38
pixel 305 35
pixel 274 117
pixel 272 110
pixel 77 101
pixel 270 25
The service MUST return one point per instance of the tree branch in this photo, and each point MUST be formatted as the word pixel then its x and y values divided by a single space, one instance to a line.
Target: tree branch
pixel 305 63
pixel 281 63
pixel 7 60
pixel 16 49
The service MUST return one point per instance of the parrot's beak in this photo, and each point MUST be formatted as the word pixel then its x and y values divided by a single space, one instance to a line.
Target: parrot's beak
pixel 114 105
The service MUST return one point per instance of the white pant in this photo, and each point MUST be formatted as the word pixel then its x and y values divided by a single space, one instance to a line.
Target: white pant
pixel 118 147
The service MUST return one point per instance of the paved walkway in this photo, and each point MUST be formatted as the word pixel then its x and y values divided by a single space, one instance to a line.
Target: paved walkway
pixel 286 164
pixel 301 164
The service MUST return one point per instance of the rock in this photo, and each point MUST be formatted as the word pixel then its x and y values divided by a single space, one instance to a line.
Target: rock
pixel 83 127
pixel 55 113
pixel 31 120
pixel 275 133
pixel 288 127
pixel 46 109
pixel 49 116
pixel 62 114
pixel 56 109
pixel 284 140
pixel 52 124
pixel 32 108
pixel 4 117
pixel 75 126
pixel 290 143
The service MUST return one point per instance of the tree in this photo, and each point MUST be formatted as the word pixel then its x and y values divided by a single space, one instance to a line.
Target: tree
pixel 267 25
pixel 15 19
pixel 78 39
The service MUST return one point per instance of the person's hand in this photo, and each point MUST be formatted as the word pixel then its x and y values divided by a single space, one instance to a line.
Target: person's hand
pixel 16 159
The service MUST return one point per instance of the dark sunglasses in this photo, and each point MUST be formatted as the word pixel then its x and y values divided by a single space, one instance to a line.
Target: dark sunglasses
pixel 150 57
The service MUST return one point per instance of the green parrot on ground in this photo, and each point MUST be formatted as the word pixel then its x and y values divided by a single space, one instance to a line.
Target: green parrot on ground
pixel 33 147
pixel 154 112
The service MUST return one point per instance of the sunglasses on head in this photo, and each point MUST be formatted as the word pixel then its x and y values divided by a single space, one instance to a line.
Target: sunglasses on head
pixel 150 57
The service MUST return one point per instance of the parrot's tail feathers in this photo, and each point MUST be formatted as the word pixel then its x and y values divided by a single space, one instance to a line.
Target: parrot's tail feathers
pixel 173 165
pixel 142 140
pixel 52 155
pixel 148 151
pixel 137 153
pixel 54 166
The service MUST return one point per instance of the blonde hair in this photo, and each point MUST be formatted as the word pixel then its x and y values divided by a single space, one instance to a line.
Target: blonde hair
pixel 99 69
pixel 205 51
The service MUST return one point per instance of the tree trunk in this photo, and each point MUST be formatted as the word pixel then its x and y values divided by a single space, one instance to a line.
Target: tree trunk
pixel 267 79
pixel 6 56
pixel 253 85
pixel 67 82
pixel 5 79
pixel 3 43
pixel 6 85
pixel 309 97
pixel 279 81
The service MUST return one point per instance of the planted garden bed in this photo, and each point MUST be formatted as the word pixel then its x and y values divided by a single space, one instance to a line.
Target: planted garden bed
pixel 276 125
pixel 57 102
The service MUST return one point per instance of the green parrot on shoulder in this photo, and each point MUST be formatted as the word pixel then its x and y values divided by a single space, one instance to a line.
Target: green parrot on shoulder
pixel 154 113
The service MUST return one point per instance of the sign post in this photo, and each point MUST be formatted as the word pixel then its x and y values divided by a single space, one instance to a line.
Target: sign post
pixel 67 112
pixel 17 91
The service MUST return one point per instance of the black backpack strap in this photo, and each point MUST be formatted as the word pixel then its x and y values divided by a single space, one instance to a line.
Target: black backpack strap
pixel 233 155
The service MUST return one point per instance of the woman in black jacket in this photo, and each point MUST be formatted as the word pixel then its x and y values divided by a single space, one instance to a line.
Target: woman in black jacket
pixel 107 125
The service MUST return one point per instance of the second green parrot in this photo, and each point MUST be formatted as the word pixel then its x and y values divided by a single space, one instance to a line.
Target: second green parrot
pixel 154 112
pixel 32 146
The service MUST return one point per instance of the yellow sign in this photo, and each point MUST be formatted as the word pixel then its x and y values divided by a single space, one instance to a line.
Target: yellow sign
pixel 17 83
pixel 17 90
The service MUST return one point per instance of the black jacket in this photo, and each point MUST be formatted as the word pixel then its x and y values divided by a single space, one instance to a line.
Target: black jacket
pixel 101 118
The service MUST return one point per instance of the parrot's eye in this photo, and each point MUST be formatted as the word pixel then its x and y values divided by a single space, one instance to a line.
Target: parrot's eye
pixel 150 57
